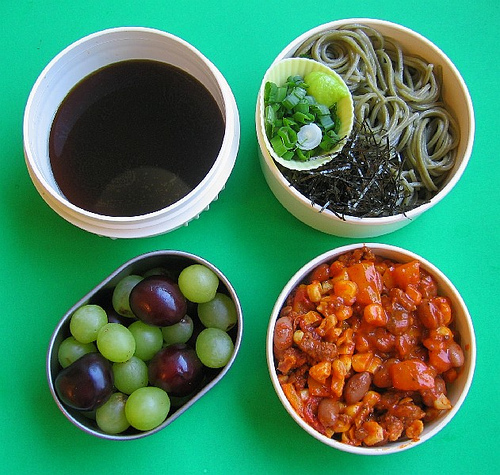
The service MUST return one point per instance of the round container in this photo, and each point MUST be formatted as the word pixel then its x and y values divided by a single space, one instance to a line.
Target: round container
pixel 84 57
pixel 457 98
pixel 174 262
pixel 457 391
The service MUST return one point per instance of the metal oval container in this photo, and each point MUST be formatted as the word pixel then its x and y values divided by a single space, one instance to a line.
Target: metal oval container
pixel 174 261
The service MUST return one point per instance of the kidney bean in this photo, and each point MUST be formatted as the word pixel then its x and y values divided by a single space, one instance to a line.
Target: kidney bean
pixel 384 340
pixel 430 395
pixel 357 386
pixel 382 378
pixel 283 333
pixel 328 411
pixel 456 355
pixel 399 321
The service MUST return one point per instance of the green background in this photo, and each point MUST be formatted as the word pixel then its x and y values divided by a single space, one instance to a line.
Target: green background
pixel 48 264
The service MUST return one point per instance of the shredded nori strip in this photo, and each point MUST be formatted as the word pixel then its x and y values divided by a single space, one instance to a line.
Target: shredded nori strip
pixel 363 180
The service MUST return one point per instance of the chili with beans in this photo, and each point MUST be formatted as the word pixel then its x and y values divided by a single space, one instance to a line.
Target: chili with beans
pixel 364 350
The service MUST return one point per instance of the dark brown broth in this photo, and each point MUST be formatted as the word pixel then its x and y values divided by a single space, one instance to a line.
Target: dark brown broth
pixel 134 137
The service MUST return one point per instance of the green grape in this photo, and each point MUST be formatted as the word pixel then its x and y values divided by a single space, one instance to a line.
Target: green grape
pixel 71 349
pixel 148 339
pixel 115 342
pixel 110 417
pixel 130 375
pixel 220 312
pixel 146 408
pixel 214 347
pixel 180 332
pixel 198 283
pixel 121 293
pixel 158 271
pixel 86 322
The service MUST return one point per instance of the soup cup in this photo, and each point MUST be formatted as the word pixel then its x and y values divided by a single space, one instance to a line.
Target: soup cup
pixel 92 53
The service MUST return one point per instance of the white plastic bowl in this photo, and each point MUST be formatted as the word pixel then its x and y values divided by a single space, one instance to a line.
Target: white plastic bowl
pixel 455 94
pixel 86 56
pixel 457 391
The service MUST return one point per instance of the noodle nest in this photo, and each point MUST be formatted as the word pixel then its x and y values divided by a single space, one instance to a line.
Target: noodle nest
pixel 399 97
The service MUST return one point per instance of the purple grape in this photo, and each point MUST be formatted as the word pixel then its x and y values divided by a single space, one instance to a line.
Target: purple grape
pixel 176 369
pixel 86 384
pixel 157 300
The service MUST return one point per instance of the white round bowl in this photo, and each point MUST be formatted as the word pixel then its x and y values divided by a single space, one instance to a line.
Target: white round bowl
pixel 456 96
pixel 174 261
pixel 457 391
pixel 90 54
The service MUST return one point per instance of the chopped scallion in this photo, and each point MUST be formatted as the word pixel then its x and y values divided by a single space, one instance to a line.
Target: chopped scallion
pixel 288 109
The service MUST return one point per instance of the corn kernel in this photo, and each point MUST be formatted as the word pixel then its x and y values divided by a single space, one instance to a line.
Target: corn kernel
pixel 342 275
pixel 353 409
pixel 329 432
pixel 333 334
pixel 311 318
pixel 338 368
pixel 361 361
pixel 298 335
pixel 442 402
pixel 414 430
pixel 444 332
pixel 374 365
pixel 337 386
pixel 375 433
pixel 321 371
pixel 371 398
pixel 314 291
pixel 347 290
pixel 343 423
pixel 327 328
pixel 346 360
pixel 349 437
pixel 326 286
pixel 374 314
pixel 366 362
pixel 339 372
pixel 343 312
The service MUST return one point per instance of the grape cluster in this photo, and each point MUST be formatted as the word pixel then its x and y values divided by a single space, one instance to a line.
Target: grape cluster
pixel 155 343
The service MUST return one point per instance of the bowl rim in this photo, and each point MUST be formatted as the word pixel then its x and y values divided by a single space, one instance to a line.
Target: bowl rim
pixel 384 250
pixel 385 220
pixel 64 321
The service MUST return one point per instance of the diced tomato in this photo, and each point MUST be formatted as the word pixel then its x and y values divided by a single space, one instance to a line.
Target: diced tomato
pixel 321 371
pixel 411 375
pixel 368 280
pixel 406 274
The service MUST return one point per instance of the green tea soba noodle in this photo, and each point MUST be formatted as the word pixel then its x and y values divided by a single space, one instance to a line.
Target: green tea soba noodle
pixel 398 96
